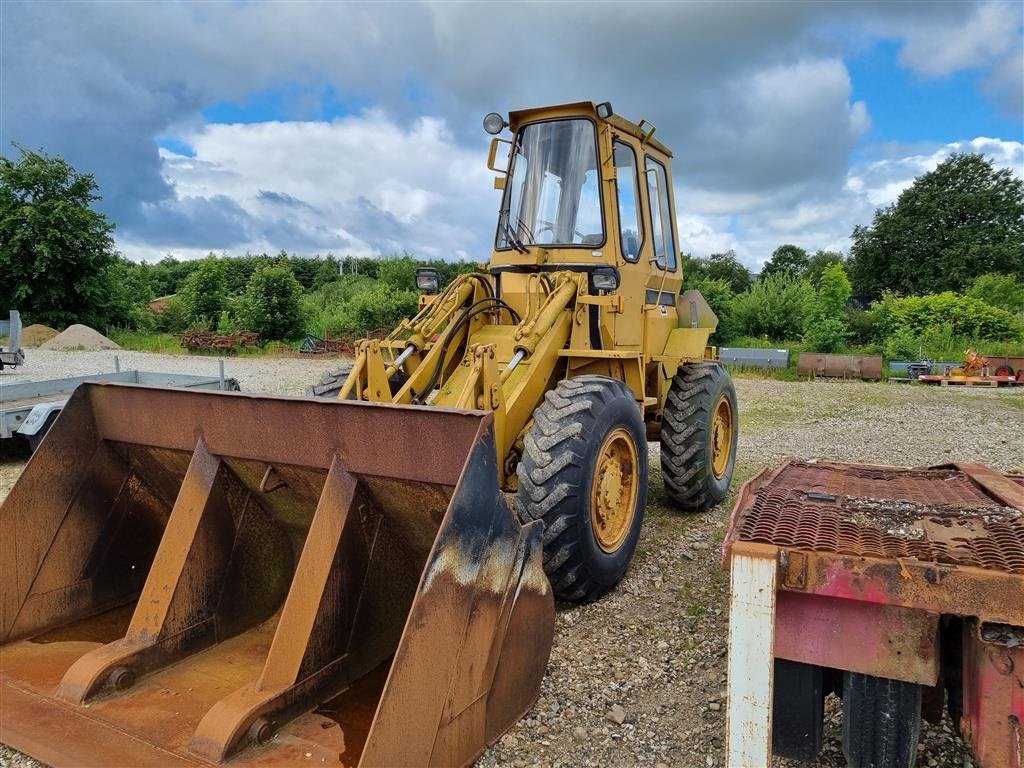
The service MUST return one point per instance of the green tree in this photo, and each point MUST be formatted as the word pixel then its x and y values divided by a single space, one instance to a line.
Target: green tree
pixel 56 252
pixel 787 259
pixel 719 296
pixel 725 266
pixel 827 329
pixel 271 305
pixel 951 225
pixel 717 266
pixel 775 306
pixel 1006 291
pixel 205 291
pixel 398 271
pixel 817 264
pixel 966 317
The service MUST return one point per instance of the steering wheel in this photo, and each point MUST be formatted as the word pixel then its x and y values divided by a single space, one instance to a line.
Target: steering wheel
pixel 547 226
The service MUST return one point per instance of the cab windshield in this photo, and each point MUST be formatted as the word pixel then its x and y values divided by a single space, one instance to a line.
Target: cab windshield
pixel 552 196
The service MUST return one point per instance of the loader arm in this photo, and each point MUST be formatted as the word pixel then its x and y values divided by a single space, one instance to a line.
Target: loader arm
pixel 465 350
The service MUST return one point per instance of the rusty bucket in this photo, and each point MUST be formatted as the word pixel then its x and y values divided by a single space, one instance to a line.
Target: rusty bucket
pixel 194 578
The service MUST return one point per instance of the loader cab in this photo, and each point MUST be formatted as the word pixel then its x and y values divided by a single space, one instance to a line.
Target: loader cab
pixel 585 188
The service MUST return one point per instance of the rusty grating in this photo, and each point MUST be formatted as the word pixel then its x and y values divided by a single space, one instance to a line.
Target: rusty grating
pixel 931 515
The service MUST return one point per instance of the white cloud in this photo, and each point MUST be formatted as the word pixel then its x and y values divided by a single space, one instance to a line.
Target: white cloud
pixel 824 221
pixel 358 185
pixel 366 185
pixel 936 48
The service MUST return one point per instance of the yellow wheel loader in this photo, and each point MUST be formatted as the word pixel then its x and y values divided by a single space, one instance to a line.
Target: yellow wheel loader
pixel 197 578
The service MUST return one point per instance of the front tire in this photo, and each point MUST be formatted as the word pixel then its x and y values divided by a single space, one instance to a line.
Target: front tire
pixel 584 472
pixel 699 431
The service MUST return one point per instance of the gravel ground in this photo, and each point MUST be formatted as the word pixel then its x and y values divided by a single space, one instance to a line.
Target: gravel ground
pixel 638 678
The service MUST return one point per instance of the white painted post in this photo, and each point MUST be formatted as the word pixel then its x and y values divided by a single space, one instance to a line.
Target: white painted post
pixel 751 660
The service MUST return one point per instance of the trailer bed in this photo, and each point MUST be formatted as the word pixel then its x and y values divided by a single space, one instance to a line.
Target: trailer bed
pixel 18 400
pixel 861 569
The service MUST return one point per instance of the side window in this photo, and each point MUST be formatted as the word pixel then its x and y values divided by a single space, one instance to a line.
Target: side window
pixel 661 215
pixel 630 232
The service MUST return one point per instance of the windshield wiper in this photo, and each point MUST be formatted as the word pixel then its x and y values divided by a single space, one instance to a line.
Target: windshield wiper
pixel 510 233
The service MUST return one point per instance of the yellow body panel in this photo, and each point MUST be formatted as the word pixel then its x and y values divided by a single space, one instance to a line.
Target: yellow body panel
pixel 499 341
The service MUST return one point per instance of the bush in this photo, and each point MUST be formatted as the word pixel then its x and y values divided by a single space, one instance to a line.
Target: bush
pixel 775 306
pixel 1003 291
pixel 966 316
pixel 826 321
pixel 271 303
pixel 204 292
pixel 172 318
pixel 398 271
pixel 862 325
pixel 718 294
pixel 380 307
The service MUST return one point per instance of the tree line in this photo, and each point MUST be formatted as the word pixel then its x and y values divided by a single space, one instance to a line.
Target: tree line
pixel 954 239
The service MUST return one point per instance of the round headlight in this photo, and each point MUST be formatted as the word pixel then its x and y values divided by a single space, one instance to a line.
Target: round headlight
pixel 494 123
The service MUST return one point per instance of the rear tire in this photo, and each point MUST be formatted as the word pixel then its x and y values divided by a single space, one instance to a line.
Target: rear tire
pixel 332 382
pixel 584 473
pixel 881 721
pixel 798 710
pixel 698 451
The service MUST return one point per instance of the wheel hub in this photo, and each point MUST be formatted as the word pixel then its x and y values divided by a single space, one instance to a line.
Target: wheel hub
pixel 613 497
pixel 721 437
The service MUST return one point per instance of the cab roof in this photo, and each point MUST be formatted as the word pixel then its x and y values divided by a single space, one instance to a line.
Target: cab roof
pixel 589 109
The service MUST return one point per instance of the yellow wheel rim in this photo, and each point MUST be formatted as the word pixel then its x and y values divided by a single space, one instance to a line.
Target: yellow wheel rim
pixel 721 437
pixel 614 492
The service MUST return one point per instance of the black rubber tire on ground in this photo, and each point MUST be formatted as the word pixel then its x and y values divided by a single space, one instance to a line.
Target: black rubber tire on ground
pixel 332 382
pixel 881 721
pixel 686 436
pixel 798 709
pixel 556 477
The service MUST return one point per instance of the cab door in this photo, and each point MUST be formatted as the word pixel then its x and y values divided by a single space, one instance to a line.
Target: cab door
pixel 634 242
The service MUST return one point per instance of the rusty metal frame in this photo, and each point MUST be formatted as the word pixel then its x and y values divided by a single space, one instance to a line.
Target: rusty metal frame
pixel 880 615
pixel 413 595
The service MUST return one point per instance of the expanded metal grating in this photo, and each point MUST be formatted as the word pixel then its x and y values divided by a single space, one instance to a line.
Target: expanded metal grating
pixel 930 515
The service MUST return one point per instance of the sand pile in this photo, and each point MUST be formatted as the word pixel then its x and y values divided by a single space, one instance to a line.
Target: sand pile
pixel 36 334
pixel 80 337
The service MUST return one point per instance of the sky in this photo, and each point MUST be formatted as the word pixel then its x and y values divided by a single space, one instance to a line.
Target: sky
pixel 350 128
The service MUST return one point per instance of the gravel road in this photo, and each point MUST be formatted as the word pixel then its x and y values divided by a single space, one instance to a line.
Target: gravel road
pixel 639 677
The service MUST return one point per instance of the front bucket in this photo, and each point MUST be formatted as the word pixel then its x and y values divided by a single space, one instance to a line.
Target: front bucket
pixel 190 578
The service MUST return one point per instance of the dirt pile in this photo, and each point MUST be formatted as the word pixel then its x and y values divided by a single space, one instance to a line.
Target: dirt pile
pixel 79 337
pixel 37 334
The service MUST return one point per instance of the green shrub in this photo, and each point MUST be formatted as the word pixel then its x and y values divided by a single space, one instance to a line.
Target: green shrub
pixel 204 292
pixel 172 318
pixel 719 295
pixel 775 306
pixel 828 334
pixel 826 329
pixel 380 307
pixel 398 271
pixel 1003 291
pixel 271 303
pixel 862 325
pixel 967 317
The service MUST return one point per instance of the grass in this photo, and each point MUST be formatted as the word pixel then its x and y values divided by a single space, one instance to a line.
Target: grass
pixel 164 343
pixel 168 344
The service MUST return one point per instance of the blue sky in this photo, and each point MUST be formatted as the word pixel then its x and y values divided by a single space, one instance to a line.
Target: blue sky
pixel 355 127
pixel 908 108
